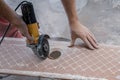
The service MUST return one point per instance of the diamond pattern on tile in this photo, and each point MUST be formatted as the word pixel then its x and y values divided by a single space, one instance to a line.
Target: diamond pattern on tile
pixel 103 63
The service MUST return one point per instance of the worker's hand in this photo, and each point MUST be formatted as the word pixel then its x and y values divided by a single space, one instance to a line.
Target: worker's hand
pixel 23 29
pixel 80 31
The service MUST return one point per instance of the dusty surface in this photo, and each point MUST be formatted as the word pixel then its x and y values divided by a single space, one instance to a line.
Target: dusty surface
pixel 102 17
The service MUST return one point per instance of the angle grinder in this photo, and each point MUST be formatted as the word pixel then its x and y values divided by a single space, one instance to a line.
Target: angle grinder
pixel 40 45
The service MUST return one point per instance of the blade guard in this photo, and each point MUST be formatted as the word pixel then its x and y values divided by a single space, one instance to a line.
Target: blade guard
pixel 43 47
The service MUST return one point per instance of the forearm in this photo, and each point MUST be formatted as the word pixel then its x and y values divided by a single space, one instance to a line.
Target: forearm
pixel 70 8
pixel 7 13
pixel 10 15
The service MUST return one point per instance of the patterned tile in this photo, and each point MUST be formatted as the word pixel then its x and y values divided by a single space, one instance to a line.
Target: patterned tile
pixel 74 63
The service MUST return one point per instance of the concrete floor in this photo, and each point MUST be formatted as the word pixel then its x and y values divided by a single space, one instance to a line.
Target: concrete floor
pixel 25 78
pixel 103 20
pixel 102 17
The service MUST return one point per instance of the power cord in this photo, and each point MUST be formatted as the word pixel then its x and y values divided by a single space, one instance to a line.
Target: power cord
pixel 5 34
pixel 10 24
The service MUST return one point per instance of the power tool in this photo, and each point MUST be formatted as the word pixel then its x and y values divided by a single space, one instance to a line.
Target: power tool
pixel 40 45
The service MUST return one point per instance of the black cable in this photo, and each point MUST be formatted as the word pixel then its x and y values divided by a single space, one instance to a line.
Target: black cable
pixel 20 5
pixel 5 33
pixel 10 24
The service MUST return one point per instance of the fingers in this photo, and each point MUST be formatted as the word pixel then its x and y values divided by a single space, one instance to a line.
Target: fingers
pixel 93 37
pixel 73 37
pixel 89 40
pixel 25 33
pixel 29 37
pixel 72 42
pixel 88 43
pixel 92 42
pixel 24 30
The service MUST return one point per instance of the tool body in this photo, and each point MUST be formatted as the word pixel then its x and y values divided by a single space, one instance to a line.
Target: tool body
pixel 40 45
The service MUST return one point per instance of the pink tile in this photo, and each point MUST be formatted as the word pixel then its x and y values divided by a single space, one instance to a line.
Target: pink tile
pixel 76 61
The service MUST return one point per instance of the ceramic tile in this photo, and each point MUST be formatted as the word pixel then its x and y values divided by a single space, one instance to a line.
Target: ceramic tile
pixel 102 63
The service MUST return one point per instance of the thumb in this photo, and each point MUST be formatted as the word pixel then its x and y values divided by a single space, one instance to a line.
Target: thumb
pixel 29 38
pixel 73 38
pixel 27 35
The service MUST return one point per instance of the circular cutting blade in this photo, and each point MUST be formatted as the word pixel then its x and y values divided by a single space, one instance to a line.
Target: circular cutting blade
pixel 43 47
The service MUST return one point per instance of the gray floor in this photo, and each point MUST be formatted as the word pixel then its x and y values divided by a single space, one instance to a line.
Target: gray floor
pixel 12 77
pixel 102 17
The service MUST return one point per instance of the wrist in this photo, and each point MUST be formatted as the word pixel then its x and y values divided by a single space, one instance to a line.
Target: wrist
pixel 73 20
